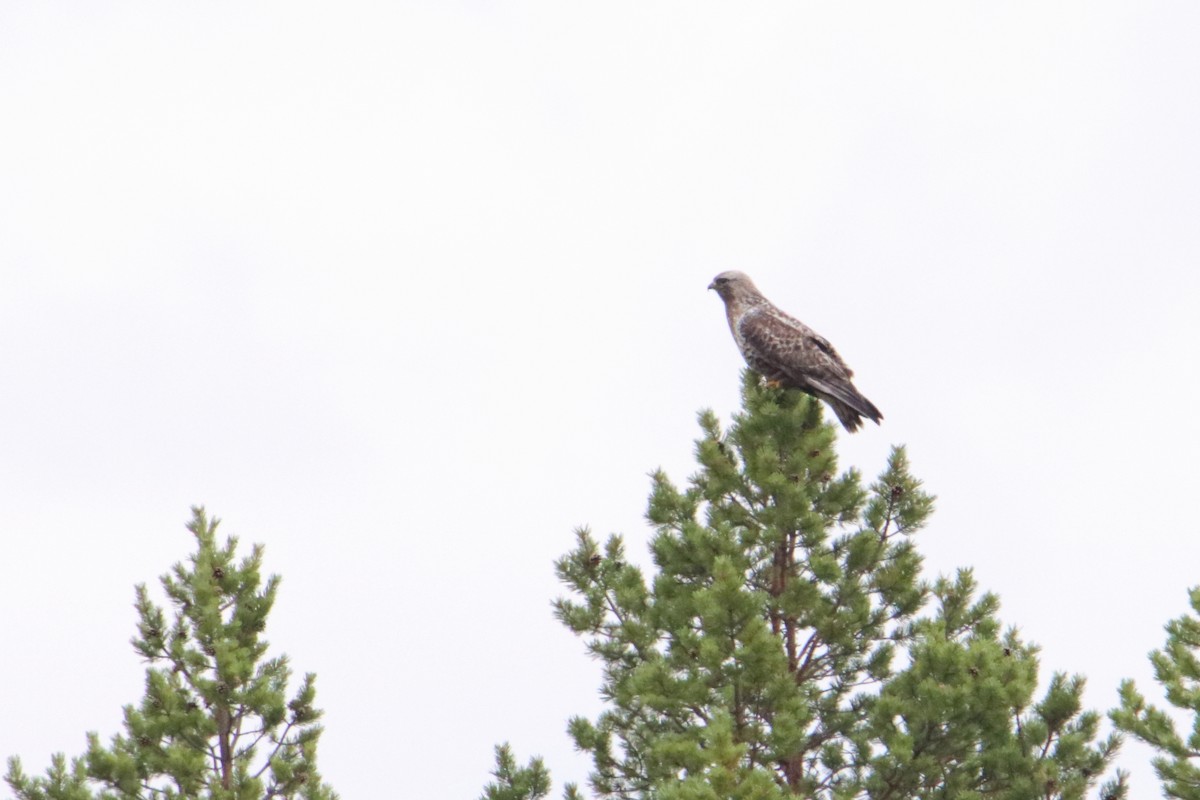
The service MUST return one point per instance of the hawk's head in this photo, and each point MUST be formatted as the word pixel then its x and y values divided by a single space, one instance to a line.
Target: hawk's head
pixel 733 284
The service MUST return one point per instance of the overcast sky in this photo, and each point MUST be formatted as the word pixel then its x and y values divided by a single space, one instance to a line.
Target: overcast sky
pixel 407 291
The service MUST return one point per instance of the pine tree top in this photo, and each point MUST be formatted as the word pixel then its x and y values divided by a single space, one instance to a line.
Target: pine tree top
pixel 215 721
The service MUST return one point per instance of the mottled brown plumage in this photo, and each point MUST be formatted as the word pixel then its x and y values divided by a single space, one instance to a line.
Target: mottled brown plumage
pixel 785 351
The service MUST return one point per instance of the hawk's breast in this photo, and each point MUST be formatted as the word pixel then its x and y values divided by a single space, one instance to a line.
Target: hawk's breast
pixel 752 329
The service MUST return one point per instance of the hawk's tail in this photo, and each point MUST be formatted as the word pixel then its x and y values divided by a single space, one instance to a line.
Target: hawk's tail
pixel 851 418
pixel 850 407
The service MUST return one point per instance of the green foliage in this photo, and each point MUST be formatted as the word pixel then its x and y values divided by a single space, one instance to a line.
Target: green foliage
pixel 960 720
pixel 531 782
pixel 779 648
pixel 215 721
pixel 1177 669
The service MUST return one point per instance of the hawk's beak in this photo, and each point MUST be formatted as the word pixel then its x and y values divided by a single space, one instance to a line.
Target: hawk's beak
pixel 712 285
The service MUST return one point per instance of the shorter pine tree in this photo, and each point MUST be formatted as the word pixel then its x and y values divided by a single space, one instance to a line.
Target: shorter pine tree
pixel 1177 669
pixel 214 722
pixel 531 782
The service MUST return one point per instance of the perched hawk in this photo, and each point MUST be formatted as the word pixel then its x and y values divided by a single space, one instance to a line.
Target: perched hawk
pixel 787 352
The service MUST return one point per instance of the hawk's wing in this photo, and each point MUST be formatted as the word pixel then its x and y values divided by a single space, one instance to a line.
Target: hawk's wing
pixel 781 344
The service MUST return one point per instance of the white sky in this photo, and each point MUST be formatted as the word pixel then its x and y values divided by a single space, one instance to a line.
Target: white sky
pixel 406 291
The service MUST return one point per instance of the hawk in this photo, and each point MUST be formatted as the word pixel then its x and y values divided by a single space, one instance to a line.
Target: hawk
pixel 788 353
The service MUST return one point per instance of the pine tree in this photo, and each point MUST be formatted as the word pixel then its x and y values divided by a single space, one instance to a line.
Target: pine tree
pixel 779 650
pixel 1177 669
pixel 215 721
pixel 531 782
